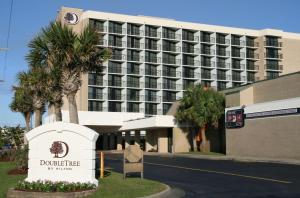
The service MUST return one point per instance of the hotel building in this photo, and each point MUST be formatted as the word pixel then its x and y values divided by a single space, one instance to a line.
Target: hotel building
pixel 155 59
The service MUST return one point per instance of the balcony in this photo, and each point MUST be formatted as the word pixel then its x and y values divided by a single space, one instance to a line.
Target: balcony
pixel 223 41
pixel 190 38
pixel 172 36
pixel 152 59
pixel 149 98
pixel 133 84
pixel 115 83
pixel 113 43
pixel 152 72
pixel 117 30
pixel 114 96
pixel 210 65
pixel 206 75
pixel 135 32
pixel 118 57
pixel 96 96
pixel 223 77
pixel 238 78
pixel 116 70
pixel 223 53
pixel 274 55
pixel 207 39
pixel 274 67
pixel 169 98
pixel 252 55
pixel 171 49
pixel 153 34
pixel 155 47
pixel 171 86
pixel 252 44
pixel 238 54
pixel 99 28
pixel 223 65
pixel 238 66
pixel 188 74
pixel 191 63
pixel 171 61
pixel 134 45
pixel 253 67
pixel 152 85
pixel 190 50
pixel 134 71
pixel 276 44
pixel 171 73
pixel 238 42
pixel 134 58
pixel 208 52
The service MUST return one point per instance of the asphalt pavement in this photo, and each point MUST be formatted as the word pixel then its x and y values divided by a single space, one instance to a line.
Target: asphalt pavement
pixel 190 177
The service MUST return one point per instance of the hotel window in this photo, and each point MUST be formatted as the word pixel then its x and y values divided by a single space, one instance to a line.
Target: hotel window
pixel 133 81
pixel 94 105
pixel 221 86
pixel 133 55
pixel 114 67
pixel 95 93
pixel 169 58
pixel 151 44
pixel 166 108
pixel 133 95
pixel 114 94
pixel 187 35
pixel 133 68
pixel 114 106
pixel 114 40
pixel 169 33
pixel 95 79
pixel 133 107
pixel 115 27
pixel 114 80
pixel 97 25
pixel 169 96
pixel 151 70
pixel 133 42
pixel 133 29
pixel 187 60
pixel 151 96
pixel 150 31
pixel 150 108
pixel 151 57
pixel 150 82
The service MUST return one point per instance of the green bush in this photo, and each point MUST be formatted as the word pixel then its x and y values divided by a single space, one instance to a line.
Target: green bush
pixel 21 157
pixel 49 186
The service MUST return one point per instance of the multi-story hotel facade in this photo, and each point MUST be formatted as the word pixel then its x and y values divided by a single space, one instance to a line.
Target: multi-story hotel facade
pixel 155 59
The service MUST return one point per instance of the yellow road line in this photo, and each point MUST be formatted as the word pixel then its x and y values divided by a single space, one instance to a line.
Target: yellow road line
pixel 221 172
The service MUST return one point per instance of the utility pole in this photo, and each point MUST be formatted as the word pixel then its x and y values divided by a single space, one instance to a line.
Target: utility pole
pixel 2 49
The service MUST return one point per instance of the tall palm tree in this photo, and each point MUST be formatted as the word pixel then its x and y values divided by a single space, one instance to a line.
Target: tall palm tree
pixel 202 107
pixel 22 102
pixel 35 80
pixel 42 54
pixel 77 55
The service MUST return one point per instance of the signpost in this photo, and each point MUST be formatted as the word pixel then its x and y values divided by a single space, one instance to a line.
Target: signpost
pixel 62 152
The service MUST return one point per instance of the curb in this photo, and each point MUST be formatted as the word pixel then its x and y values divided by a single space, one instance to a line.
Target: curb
pixel 161 193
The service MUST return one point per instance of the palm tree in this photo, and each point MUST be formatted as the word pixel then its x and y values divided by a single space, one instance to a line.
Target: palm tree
pixel 22 102
pixel 35 81
pixel 41 54
pixel 201 107
pixel 77 55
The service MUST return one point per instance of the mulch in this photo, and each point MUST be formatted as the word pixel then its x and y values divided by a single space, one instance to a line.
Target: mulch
pixel 17 171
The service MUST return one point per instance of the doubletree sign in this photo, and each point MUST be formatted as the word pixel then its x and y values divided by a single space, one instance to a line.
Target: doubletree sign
pixel 235 118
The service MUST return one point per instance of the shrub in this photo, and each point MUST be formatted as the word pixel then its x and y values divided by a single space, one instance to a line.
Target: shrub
pixel 49 186
pixel 21 157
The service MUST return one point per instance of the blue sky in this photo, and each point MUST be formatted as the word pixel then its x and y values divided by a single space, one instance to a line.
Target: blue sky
pixel 29 16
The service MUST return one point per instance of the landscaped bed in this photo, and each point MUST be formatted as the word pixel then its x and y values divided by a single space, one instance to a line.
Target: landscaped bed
pixel 112 185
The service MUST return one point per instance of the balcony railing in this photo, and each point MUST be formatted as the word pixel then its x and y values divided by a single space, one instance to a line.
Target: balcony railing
pixel 149 98
pixel 152 59
pixel 223 53
pixel 238 78
pixel 100 28
pixel 207 76
pixel 222 77
pixel 223 41
pixel 208 51
pixel 135 71
pixel 117 30
pixel 134 84
pixel 135 58
pixel 252 44
pixel 191 50
pixel 252 67
pixel 238 66
pixel 274 56
pixel 117 70
pixel 112 96
pixel 153 33
pixel 115 83
pixel 152 72
pixel 223 65
pixel 252 55
pixel 273 43
pixel 134 45
pixel 238 55
pixel 169 73
pixel 192 63
pixel 238 42
pixel 207 39
pixel 118 57
pixel 116 43
pixel 171 49
pixel 155 47
pixel 211 64
pixel 172 86
pixel 152 85
pixel 135 32
pixel 97 96
pixel 169 98
pixel 171 36
pixel 190 38
pixel 273 67
pixel 172 61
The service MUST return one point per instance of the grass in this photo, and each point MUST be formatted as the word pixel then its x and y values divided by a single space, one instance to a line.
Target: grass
pixel 8 181
pixel 111 186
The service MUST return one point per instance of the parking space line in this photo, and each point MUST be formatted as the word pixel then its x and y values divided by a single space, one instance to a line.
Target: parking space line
pixel 221 172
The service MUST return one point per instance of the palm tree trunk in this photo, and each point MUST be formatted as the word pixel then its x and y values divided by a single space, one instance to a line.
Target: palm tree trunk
pixel 203 139
pixel 27 120
pixel 38 117
pixel 57 110
pixel 73 114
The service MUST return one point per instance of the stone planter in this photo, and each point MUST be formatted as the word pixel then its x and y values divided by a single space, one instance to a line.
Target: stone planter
pixel 12 193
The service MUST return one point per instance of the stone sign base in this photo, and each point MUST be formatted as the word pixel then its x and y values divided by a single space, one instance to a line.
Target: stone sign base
pixel 12 193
